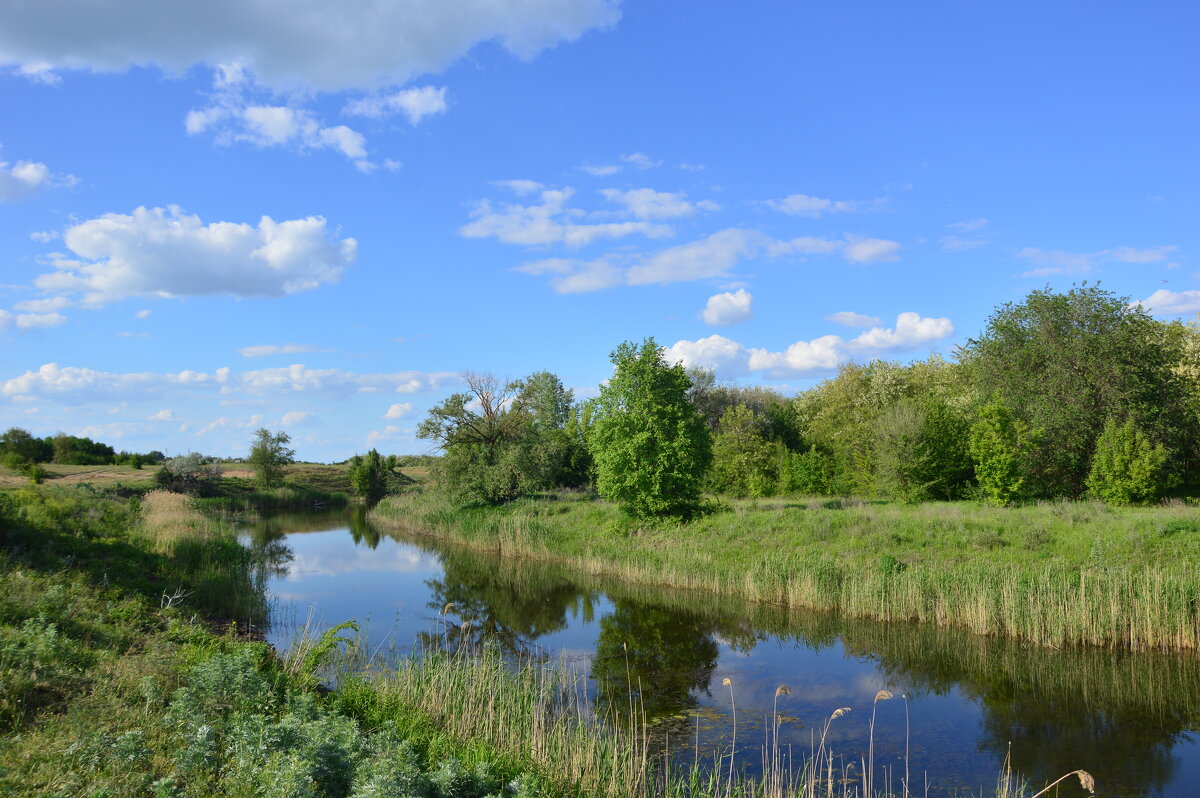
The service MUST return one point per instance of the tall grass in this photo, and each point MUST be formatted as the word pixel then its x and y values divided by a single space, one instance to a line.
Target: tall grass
pixel 1054 575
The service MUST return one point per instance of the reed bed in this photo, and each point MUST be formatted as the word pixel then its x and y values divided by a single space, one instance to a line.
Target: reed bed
pixel 540 715
pixel 1053 575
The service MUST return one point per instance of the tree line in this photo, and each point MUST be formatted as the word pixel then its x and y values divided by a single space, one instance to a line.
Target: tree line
pixel 1064 394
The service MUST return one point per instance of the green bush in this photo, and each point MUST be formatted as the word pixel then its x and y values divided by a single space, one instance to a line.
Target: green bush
pixel 999 444
pixel 369 476
pixel 1127 467
pixel 743 459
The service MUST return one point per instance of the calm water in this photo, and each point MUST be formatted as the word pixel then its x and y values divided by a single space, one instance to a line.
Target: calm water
pixel 1133 721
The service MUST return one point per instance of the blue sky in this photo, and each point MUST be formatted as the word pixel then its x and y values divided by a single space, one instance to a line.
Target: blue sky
pixel 313 216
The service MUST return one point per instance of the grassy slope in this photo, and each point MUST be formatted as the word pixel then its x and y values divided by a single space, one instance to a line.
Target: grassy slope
pixel 1056 573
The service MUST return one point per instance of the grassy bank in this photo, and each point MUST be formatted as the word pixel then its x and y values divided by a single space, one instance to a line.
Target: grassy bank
pixel 1055 574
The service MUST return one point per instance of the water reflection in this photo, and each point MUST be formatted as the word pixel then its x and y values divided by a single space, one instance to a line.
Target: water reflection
pixel 1125 717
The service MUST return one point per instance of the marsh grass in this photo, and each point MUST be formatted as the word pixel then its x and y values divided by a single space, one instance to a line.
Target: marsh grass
pixel 1056 574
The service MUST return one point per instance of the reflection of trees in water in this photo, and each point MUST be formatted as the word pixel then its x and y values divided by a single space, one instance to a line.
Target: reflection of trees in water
pixel 1115 714
pixel 489 606
pixel 362 530
pixel 653 659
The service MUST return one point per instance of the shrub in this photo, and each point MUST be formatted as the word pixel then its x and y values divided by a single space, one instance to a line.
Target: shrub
pixel 368 476
pixel 188 473
pixel 1127 467
pixel 999 444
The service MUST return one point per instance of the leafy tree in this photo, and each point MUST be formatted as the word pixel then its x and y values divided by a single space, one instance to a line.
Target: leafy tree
pixel 1127 467
pixel 188 473
pixel 999 447
pixel 544 398
pixel 1066 362
pixel 903 456
pixel 369 476
pixel 486 437
pixel 650 447
pixel 744 461
pixel 809 472
pixel 269 453
pixel 18 447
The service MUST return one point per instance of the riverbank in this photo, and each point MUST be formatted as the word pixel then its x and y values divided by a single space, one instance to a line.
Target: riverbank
pixel 1054 574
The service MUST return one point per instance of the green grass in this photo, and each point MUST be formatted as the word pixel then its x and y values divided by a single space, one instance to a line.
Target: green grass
pixel 1058 573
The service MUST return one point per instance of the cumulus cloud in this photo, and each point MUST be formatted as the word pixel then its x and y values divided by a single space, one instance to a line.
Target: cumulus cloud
pixel 389 432
pixel 295 417
pixel 852 319
pixel 29 321
pixel 640 161
pixel 966 235
pixel 47 305
pixel 24 178
pixel 710 257
pixel 646 203
pixel 870 250
pixel 723 310
pixel 1171 303
pixel 326 46
pixel 549 221
pixel 415 104
pixel 815 207
pixel 730 358
pixel 262 350
pixel 165 252
pixel 398 410
pixel 600 170
pixel 163 415
pixel 81 385
pixel 143 314
pixel 1057 261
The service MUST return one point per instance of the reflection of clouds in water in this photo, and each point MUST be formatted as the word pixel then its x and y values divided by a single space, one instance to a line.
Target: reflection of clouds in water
pixel 335 558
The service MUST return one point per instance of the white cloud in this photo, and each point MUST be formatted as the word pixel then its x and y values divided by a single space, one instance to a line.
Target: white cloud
pixel 712 256
pixel 43 236
pixel 48 305
pixel 1171 303
pixel 640 161
pixel 30 321
pixel 1153 255
pixel 723 310
pixel 143 314
pixel 969 226
pixel 852 319
pixel 602 170
pixel 233 118
pixel 398 410
pixel 163 415
pixel 646 203
pixel 295 417
pixel 390 432
pixel 326 46
pixel 814 207
pixel 730 358
pixel 415 104
pixel 548 222
pixel 967 235
pixel 262 350
pixel 870 250
pixel 520 187
pixel 164 252
pixel 1055 261
pixel 70 383
pixel 25 178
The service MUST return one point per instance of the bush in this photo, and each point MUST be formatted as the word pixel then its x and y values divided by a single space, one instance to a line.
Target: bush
pixel 1127 467
pixel 810 472
pixel 368 476
pixel 743 461
pixel 189 474
pixel 999 444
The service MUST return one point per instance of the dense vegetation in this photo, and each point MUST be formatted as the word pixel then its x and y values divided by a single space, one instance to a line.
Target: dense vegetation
pixel 1063 395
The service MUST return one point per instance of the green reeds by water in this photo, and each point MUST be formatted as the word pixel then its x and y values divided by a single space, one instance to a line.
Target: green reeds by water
pixel 940 573
pixel 540 715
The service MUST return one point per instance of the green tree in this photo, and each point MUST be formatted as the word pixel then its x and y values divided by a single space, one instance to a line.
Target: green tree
pixel 369 476
pixel 744 461
pixel 269 453
pixel 650 447
pixel 1127 467
pixel 1066 362
pixel 487 443
pixel 999 447
pixel 189 473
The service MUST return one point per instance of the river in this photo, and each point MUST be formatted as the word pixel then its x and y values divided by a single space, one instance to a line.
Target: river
pixel 961 703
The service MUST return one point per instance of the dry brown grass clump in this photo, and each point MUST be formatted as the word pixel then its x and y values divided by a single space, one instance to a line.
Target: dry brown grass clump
pixel 168 517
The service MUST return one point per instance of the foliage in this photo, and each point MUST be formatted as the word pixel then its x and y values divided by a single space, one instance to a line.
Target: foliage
pixel 744 461
pixel 1127 467
pixel 809 472
pixel 650 447
pixel 189 473
pixel 921 451
pixel 1066 362
pixel 269 453
pixel 18 446
pixel 369 476
pixel 999 447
